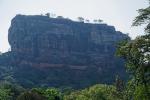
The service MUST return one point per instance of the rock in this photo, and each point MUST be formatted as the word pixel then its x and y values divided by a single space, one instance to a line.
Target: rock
pixel 43 42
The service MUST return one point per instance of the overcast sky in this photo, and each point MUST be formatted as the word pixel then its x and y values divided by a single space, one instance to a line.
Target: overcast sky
pixel 118 13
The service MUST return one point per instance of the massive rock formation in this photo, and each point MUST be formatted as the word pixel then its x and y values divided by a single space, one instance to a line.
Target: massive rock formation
pixel 79 53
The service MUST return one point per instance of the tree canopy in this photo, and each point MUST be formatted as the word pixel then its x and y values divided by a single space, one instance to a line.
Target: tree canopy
pixel 137 55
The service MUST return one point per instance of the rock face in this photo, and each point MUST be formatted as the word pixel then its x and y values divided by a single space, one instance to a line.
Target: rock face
pixel 84 50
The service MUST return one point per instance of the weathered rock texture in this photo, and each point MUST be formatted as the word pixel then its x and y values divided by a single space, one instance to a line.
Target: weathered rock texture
pixel 85 50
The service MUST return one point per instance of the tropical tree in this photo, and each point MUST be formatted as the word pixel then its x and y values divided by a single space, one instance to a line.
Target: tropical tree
pixel 5 94
pixel 100 21
pixel 143 18
pixel 12 90
pixel 95 20
pixel 60 17
pixel 87 20
pixel 47 14
pixel 29 95
pixel 81 19
pixel 137 56
pixel 49 93
pixel 96 92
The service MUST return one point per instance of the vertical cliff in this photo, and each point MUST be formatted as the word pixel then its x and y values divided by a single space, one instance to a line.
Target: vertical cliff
pixel 76 50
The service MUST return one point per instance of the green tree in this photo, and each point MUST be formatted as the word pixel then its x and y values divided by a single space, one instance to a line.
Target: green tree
pixel 96 92
pixel 100 20
pixel 49 93
pixel 12 89
pixel 95 20
pixel 87 20
pixel 143 18
pixel 81 19
pixel 47 14
pixel 60 17
pixel 5 94
pixel 29 95
pixel 137 56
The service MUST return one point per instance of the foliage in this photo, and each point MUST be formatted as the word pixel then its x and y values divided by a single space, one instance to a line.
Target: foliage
pixel 98 20
pixel 96 92
pixel 81 19
pixel 143 18
pixel 49 93
pixel 30 96
pixel 13 90
pixel 137 56
pixel 141 92
pixel 5 94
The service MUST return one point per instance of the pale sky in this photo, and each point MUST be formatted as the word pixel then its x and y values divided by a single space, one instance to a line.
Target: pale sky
pixel 118 13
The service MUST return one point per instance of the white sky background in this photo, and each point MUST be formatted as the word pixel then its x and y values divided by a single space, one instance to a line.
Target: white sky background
pixel 118 13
